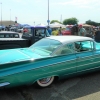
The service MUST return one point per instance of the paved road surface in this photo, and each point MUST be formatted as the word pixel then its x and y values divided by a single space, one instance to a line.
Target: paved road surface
pixel 85 87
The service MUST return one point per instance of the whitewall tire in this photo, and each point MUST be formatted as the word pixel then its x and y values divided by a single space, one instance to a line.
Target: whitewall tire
pixel 45 81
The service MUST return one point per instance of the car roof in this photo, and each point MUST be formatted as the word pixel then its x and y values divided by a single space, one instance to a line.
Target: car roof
pixel 69 38
pixel 34 27
pixel 7 32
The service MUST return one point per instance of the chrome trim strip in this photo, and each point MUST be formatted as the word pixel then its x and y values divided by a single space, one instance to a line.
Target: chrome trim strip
pixel 77 67
pixel 4 84
pixel 23 53
pixel 64 69
pixel 13 61
pixel 89 69
pixel 69 68
pixel 84 56
pixel 58 71
pixel 68 73
pixel 63 62
pixel 88 64
pixel 68 61
pixel 31 60
pixel 59 63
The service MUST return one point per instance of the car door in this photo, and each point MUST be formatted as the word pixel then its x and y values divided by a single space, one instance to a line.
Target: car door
pixel 65 60
pixel 96 56
pixel 85 56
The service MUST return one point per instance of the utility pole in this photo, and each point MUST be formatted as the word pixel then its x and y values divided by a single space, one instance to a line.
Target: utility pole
pixel 10 16
pixel 48 14
pixel 61 19
pixel 1 14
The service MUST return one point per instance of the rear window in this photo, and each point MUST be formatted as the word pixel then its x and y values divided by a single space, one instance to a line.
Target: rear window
pixel 40 32
pixel 27 31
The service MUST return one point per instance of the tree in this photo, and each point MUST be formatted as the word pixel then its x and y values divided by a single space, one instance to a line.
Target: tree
pixel 15 21
pixel 92 23
pixel 55 21
pixel 70 21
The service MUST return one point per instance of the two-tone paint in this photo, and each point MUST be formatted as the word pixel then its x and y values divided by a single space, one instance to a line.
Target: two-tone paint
pixel 23 66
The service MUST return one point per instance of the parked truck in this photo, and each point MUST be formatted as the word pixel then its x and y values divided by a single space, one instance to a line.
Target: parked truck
pixel 30 35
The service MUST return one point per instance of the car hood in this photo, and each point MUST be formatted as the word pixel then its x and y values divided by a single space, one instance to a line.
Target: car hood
pixel 15 55
pixel 66 31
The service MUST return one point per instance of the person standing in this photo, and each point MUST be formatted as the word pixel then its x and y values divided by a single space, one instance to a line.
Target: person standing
pixel 76 29
pixel 49 30
pixel 97 35
pixel 73 30
pixel 82 31
pixel 59 33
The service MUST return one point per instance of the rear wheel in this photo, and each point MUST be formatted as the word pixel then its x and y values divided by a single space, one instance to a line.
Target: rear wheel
pixel 45 81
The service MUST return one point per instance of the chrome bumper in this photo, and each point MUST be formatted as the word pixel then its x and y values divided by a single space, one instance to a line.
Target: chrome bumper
pixel 4 84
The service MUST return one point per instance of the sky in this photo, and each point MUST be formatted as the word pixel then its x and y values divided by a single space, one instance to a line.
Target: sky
pixel 34 12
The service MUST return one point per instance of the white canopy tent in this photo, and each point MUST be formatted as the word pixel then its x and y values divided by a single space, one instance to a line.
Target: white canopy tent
pixel 57 25
pixel 41 25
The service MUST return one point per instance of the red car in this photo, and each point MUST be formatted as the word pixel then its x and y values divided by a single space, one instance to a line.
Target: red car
pixel 67 31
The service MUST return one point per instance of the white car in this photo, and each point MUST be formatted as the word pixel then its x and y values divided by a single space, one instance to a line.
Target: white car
pixel 20 30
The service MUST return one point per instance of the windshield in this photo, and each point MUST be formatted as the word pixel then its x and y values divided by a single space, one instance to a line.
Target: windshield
pixel 45 46
pixel 68 29
pixel 97 45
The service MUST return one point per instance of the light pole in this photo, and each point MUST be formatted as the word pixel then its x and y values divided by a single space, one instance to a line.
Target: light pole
pixel 48 14
pixel 61 19
pixel 10 16
pixel 34 23
pixel 1 14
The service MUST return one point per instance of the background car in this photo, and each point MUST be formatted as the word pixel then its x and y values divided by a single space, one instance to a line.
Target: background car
pixel 8 34
pixel 67 30
pixel 20 30
pixel 0 28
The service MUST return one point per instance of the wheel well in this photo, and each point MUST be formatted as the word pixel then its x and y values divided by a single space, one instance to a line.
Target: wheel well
pixel 56 78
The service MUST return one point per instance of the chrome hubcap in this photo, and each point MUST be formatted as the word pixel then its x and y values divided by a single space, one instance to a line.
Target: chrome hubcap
pixel 44 80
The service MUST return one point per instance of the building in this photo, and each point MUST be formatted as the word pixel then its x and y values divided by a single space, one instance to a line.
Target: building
pixel 7 23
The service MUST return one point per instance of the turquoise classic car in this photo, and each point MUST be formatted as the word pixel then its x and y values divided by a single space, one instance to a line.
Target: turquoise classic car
pixel 50 58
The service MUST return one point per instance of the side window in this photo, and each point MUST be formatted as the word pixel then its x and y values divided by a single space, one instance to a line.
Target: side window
pixel 1 36
pixel 83 46
pixel 16 36
pixel 40 32
pixel 11 36
pixel 7 36
pixel 66 49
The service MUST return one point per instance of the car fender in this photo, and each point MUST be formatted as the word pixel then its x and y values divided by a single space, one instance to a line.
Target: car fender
pixel 56 77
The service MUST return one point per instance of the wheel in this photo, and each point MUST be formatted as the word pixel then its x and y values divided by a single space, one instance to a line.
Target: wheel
pixel 45 81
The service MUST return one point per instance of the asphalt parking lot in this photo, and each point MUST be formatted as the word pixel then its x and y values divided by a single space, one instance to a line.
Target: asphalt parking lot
pixel 85 87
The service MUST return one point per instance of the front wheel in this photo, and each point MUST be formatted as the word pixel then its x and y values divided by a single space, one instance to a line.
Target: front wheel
pixel 45 81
